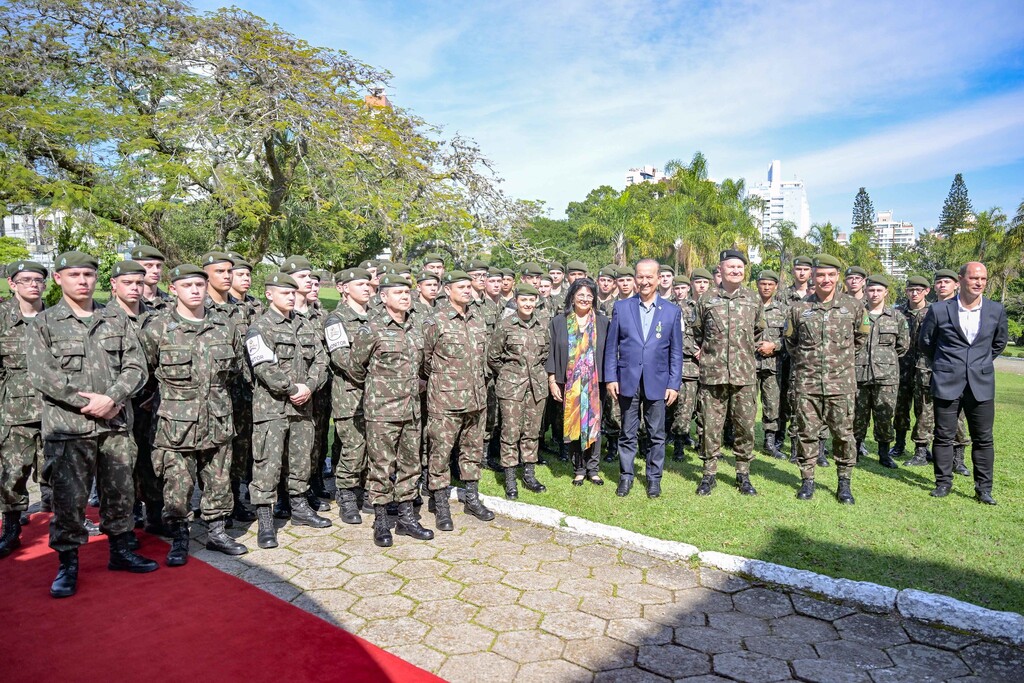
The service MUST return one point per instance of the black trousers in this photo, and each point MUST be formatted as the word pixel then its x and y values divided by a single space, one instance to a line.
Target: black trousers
pixel 654 418
pixel 979 416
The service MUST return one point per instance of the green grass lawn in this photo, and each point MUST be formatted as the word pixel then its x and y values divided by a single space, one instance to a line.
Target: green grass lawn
pixel 895 535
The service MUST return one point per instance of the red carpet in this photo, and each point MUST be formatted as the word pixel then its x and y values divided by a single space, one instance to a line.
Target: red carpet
pixel 192 623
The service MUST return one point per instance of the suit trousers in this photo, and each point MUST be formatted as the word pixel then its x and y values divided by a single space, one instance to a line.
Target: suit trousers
pixel 980 415
pixel 654 418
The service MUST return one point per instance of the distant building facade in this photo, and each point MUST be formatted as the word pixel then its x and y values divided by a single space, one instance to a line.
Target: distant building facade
pixel 33 225
pixel 782 200
pixel 644 174
pixel 889 234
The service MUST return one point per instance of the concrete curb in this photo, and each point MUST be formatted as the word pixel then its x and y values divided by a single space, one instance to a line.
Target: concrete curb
pixel 673 549
pixel 963 616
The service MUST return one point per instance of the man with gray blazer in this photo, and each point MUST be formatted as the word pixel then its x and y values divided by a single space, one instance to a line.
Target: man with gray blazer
pixel 963 336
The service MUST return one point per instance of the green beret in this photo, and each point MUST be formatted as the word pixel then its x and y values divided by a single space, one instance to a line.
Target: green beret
pixel 608 271
pixel 768 275
pixel 727 254
pixel 366 265
pixel 75 259
pixel 827 261
pixel 26 267
pixel 296 264
pixel 546 277
pixel 576 267
pixel 624 271
pixel 525 289
pixel 453 276
pixel 316 275
pixel 508 272
pixel 494 272
pixel 400 268
pixel 187 270
pixel 353 274
pixel 531 268
pixel 127 268
pixel 144 252
pixel 282 280
pixel 211 257
pixel 803 261
pixel 555 265
pixel 701 274
pixel 394 280
pixel 879 280
pixel 433 257
pixel 663 268
pixel 239 261
pixel 918 281
pixel 477 264
pixel 946 273
pixel 680 280
pixel 427 275
pixel 857 270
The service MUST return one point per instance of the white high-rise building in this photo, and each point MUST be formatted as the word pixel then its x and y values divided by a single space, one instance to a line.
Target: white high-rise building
pixel 784 200
pixel 891 233
pixel 644 174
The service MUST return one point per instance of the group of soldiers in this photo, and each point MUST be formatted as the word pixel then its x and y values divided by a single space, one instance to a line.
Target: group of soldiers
pixel 424 374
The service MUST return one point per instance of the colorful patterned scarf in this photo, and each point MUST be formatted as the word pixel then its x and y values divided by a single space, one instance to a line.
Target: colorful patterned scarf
pixel 582 399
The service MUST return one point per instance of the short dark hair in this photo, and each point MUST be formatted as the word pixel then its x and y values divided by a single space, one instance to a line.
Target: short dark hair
pixel 581 283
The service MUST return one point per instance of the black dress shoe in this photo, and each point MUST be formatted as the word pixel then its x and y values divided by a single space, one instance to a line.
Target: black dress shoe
pixel 625 485
pixel 654 489
pixel 940 491
pixel 984 497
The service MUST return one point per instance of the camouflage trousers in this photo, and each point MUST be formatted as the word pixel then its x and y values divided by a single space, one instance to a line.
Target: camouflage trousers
pixel 393 451
pixel 492 425
pixel 21 449
pixel 924 415
pixel 279 444
pixel 520 429
pixel 816 415
pixel 72 465
pixel 904 403
pixel 876 401
pixel 680 414
pixel 769 387
pixel 717 400
pixel 351 462
pixel 463 432
pixel 241 444
pixel 181 469
pixel 321 427
pixel 147 484
pixel 611 419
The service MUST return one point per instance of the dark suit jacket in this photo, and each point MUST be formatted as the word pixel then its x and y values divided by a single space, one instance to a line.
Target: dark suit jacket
pixel 558 350
pixel 658 360
pixel 955 363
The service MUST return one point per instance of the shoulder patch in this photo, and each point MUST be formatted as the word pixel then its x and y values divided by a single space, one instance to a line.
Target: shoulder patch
pixel 336 336
pixel 258 350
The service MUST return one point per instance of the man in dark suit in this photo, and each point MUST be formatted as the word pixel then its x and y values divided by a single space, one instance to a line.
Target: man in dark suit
pixel 643 366
pixel 963 336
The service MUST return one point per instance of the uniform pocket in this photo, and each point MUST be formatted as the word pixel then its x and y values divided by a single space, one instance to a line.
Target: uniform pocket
pixel 71 353
pixel 175 364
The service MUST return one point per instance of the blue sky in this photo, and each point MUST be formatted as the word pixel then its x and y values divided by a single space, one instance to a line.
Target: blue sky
pixel 565 96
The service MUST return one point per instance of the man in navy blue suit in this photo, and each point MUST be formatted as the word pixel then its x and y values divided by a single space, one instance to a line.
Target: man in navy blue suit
pixel 963 336
pixel 643 365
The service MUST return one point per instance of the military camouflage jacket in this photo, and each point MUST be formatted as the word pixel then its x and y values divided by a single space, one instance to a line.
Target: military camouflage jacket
pixel 726 328
pixel 912 359
pixel 147 314
pixel 101 355
pixel 790 295
pixel 162 302
pixel 821 340
pixel 20 403
pixel 235 314
pixel 455 361
pixel 251 308
pixel 283 352
pixel 420 312
pixel 339 330
pixel 688 319
pixel 774 325
pixel 878 360
pixel 516 354
pixel 387 359
pixel 194 363
pixel 556 300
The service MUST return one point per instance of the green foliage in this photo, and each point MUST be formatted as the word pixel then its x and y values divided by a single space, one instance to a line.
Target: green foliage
pixel 863 214
pixel 12 249
pixel 957 210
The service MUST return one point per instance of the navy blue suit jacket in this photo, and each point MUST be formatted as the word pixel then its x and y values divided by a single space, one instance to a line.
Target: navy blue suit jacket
pixel 955 363
pixel 658 360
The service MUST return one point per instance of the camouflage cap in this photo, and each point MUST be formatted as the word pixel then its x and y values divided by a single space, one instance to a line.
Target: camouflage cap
pixel 946 273
pixel 526 289
pixel 531 268
pixel 508 272
pixel 211 257
pixel 624 271
pixel 75 259
pixel 879 279
pixel 827 261
pixel 282 281
pixel 608 271
pixel 400 268
pixel 803 261
pixel 427 275
pixel 477 265
pixel 665 268
pixel 187 270
pixel 918 281
pixel 727 254
pixel 26 267
pixel 394 280
pixel 576 267
pixel 295 264
pixel 555 265
pixel 680 280
pixel 701 274
pixel 144 252
pixel 352 274
pixel 857 270
pixel 433 257
pixel 768 275
pixel 127 268
pixel 453 276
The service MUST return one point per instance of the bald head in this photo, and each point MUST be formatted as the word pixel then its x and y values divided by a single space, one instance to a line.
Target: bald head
pixel 973 279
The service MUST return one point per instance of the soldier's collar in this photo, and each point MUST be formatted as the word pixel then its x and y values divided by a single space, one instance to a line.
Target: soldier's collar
pixel 276 316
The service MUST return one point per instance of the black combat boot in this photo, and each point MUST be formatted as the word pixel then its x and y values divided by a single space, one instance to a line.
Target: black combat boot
pixel 314 502
pixel 217 539
pixel 408 525
pixel 677 449
pixel 793 450
pixel 511 489
pixel 899 447
pixel 283 507
pixel 920 458
pixel 530 479
pixel 316 484
pixel 348 507
pixel 155 523
pixel 688 441
pixel 10 539
pixel 744 485
pixel 66 583
pixel 958 461
pixel 239 512
pixel 770 447
pixel 363 501
pixel 266 533
pixel 381 532
pixel 442 513
pixel 132 540
pixel 843 494
pixel 177 556
pixel 707 482
pixel 806 491
pixel 303 515
pixel 474 506
pixel 884 459
pixel 612 455
pixel 124 559
pixel 822 455
pixel 138 516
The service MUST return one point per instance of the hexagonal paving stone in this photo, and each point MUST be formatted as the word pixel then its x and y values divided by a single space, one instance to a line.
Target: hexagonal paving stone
pixel 645 594
pixel 413 551
pixel 721 581
pixel 444 612
pixel 706 678
pixel 739 624
pixel 781 648
pixel 674 615
pixel 374 584
pixel 332 601
pixel 270 573
pixel 610 608
pixel 549 601
pixel 418 569
pixel 585 588
pixel 499 548
pixel 826 671
pixel 858 654
pixel 546 552
pixel 478 532
pixel 672 661
pixel 432 588
pixel 487 594
pixel 390 632
pixel 418 655
pixel 707 640
pixel 530 580
pixel 553 670
pixel 326 577
pixel 911 675
pixel 871 629
pixel 991 660
pixel 639 559
pixel 804 629
pixel 322 559
pixel 937 637
pixel 750 667
pixel 514 563
pixel 474 573
pixel 459 639
pixel 763 602
pixel 703 600
pixel 819 609
pixel 368 564
pixel 570 625
pixel 383 607
pixel 561 569
pixel 456 554
pixel 938 663
pixel 531 535
pixel 619 574
pixel 630 675
pixel 315 544
pixel 528 646
pixel 600 653
pixel 639 631
pixel 595 555
pixel 481 667
pixel 508 618
pixel 672 576
pixel 261 557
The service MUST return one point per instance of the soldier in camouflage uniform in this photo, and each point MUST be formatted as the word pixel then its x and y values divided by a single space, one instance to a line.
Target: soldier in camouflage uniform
pixel 152 260
pixel 607 295
pixel 913 311
pixel 822 334
pixel 340 329
pixel 455 363
pixel 21 443
pixel 729 325
pixel 680 414
pixel 87 363
pixel 701 280
pixel 556 272
pixel 856 278
pixel 769 381
pixel 492 309
pixel 878 373
pixel 516 355
pixel 666 282
pixel 798 291
pixel 288 365
pixel 195 354
pixel 386 359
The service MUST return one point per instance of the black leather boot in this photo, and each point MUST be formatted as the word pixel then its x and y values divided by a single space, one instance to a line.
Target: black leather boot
pixel 442 513
pixel 132 540
pixel 408 525
pixel 363 501
pixel 793 450
pixel 315 503
pixel 316 484
pixel 899 447
pixel 177 556
pixel 266 534
pixel 154 521
pixel 884 458
pixel 348 508
pixel 707 482
pixel 822 456
pixel 843 494
pixel 66 583
pixel 530 479
pixel 744 485
pixel 678 455
pixel 920 458
pixel 138 516
pixel 283 506
pixel 511 490
pixel 303 515
pixel 218 539
pixel 806 491
pixel 958 461
pixel 563 452
pixel 381 532
pixel 239 512
pixel 10 539
pixel 124 559
pixel 474 506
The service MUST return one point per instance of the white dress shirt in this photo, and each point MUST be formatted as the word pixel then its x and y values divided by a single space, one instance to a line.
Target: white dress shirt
pixel 970 319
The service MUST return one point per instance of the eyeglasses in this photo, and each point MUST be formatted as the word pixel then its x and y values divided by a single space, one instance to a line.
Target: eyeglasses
pixel 30 281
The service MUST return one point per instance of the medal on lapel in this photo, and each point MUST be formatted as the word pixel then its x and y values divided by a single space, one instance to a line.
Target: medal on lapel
pixel 657 331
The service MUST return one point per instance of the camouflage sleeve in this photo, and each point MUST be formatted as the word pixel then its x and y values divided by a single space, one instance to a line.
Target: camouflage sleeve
pixel 149 337
pixel 698 323
pixel 789 336
pixel 265 367
pixel 339 346
pixel 362 349
pixel 319 371
pixel 863 329
pixel 902 336
pixel 44 369
pixel 430 335
pixel 495 349
pixel 759 323
pixel 239 348
pixel 134 373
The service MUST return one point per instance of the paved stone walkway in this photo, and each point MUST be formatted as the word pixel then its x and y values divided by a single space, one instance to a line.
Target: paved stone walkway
pixel 511 601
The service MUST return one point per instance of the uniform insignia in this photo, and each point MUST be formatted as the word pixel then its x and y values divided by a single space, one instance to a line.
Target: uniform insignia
pixel 390 333
pixel 258 350
pixel 714 300
pixel 807 314
pixel 844 310
pixel 336 337
pixel 172 326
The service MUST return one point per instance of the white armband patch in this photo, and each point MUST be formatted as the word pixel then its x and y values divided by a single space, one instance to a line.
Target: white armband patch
pixel 336 336
pixel 258 350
